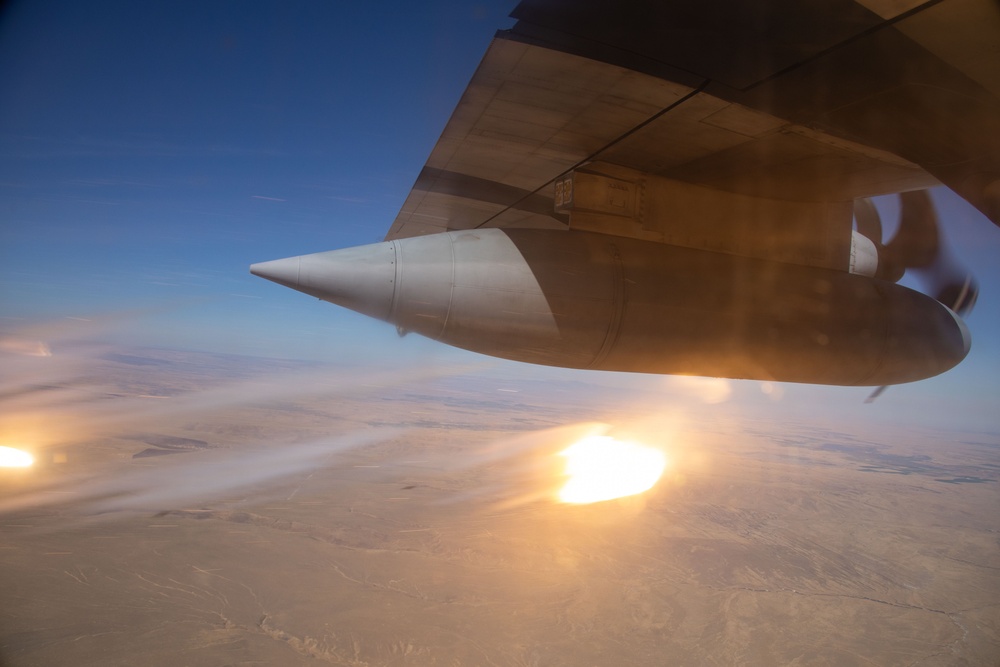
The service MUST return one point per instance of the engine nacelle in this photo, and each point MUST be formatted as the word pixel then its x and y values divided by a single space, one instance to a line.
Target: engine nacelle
pixel 585 300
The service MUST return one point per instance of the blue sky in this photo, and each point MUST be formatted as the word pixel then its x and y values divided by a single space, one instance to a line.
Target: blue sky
pixel 149 152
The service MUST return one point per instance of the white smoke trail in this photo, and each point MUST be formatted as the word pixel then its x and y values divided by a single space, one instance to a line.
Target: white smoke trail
pixel 58 401
pixel 195 478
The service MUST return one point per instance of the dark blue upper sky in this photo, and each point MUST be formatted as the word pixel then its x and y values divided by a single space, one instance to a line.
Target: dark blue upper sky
pixel 149 152
pixel 152 151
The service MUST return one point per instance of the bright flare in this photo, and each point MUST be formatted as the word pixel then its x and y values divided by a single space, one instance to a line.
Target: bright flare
pixel 601 468
pixel 14 458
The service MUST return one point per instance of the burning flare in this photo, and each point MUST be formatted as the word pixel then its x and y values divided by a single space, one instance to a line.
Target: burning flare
pixel 11 457
pixel 599 467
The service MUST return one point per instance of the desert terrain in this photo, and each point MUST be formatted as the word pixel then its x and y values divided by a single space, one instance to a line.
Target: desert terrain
pixel 426 533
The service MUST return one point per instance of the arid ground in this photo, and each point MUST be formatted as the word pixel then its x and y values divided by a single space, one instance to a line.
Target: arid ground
pixel 426 535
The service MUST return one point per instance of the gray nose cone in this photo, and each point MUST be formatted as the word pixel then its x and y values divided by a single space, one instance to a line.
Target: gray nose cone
pixel 361 278
pixel 282 271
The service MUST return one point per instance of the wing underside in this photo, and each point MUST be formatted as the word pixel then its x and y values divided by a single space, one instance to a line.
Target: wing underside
pixel 677 125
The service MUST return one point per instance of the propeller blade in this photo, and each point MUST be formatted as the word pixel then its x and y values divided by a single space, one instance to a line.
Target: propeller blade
pixel 918 245
pixel 869 224
pixel 875 394
pixel 868 220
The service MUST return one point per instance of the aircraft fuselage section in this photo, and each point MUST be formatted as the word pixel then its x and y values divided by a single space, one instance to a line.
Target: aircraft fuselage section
pixel 586 300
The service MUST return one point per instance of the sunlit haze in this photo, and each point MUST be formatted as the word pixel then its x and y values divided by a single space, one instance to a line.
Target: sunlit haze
pixel 601 467
pixel 11 457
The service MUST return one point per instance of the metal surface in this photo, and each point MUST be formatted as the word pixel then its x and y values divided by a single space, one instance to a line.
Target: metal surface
pixel 585 300
pixel 676 185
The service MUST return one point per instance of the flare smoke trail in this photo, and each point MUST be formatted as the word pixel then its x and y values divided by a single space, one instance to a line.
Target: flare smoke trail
pixel 61 398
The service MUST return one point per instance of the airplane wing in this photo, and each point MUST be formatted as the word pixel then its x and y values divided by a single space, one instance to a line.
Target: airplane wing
pixel 710 159
pixel 791 109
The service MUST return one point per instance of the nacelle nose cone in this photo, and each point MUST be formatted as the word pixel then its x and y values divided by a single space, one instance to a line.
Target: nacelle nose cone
pixel 282 271
pixel 361 278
